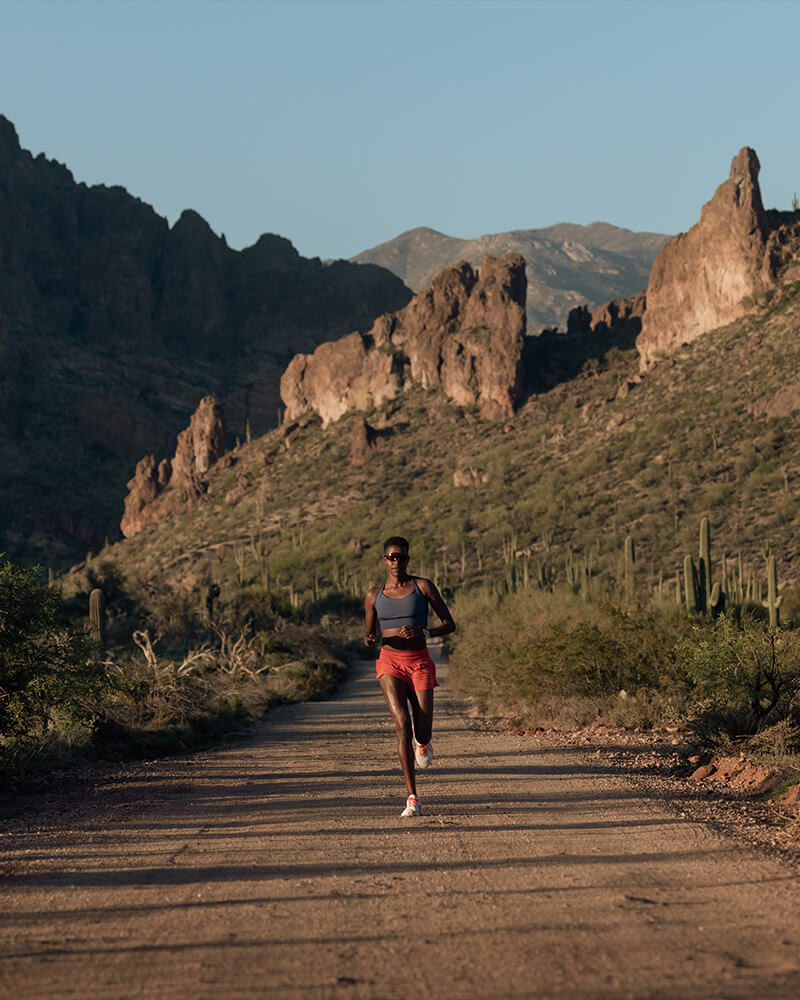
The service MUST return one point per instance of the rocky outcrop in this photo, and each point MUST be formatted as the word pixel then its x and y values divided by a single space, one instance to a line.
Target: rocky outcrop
pixel 199 446
pixel 566 264
pixel 781 404
pixel 707 277
pixel 464 335
pixel 342 375
pixel 177 483
pixel 113 324
pixel 726 266
pixel 620 314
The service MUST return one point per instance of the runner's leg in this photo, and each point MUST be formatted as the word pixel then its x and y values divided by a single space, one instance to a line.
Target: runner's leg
pixel 397 694
pixel 422 711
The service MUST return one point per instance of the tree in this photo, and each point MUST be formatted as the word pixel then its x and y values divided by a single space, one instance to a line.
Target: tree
pixel 45 665
pixel 795 202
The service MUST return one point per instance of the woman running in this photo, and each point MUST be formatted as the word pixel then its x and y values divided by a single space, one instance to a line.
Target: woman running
pixel 406 673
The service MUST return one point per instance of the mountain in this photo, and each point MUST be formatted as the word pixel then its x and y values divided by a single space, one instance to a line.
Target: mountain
pixel 113 326
pixel 606 453
pixel 613 442
pixel 466 332
pixel 567 265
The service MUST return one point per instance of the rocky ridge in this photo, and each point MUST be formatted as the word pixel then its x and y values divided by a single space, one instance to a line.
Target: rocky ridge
pixel 114 324
pixel 464 335
pixel 715 273
pixel 566 265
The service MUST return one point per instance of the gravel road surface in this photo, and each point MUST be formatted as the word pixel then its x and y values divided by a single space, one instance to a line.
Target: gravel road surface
pixel 281 868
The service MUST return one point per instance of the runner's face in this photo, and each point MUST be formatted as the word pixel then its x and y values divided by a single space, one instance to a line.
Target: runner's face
pixel 395 559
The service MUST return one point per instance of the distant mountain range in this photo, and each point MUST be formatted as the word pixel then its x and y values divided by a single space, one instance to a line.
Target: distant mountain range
pixel 567 265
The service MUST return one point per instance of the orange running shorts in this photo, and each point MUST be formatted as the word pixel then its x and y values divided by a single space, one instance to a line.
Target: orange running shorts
pixel 414 666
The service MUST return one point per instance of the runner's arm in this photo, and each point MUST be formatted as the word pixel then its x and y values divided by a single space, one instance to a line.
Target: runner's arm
pixel 436 601
pixel 371 618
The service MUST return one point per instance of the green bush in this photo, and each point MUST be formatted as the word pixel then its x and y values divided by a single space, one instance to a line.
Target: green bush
pixel 748 677
pixel 534 645
pixel 49 672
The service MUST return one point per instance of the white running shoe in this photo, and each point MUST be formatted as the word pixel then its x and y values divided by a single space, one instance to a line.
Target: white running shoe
pixel 412 807
pixel 423 754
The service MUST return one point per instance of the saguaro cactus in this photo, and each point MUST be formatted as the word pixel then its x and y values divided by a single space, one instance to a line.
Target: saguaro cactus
pixel 773 601
pixel 704 565
pixel 690 585
pixel 630 568
pixel 97 615
pixel 212 593
pixel 716 602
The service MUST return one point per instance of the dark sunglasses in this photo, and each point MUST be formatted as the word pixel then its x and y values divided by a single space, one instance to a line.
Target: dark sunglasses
pixel 395 556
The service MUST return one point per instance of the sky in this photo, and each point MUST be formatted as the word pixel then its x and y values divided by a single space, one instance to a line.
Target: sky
pixel 340 124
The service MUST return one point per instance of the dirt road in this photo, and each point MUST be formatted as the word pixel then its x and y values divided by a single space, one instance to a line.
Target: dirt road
pixel 281 868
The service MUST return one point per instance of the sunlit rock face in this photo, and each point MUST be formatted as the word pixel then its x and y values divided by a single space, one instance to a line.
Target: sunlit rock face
pixel 707 277
pixel 464 334
pixel 161 488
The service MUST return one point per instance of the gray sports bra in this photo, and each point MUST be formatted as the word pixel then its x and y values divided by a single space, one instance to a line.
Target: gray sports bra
pixel 395 612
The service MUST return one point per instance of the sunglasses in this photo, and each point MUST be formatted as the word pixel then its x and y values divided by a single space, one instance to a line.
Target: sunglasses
pixel 395 556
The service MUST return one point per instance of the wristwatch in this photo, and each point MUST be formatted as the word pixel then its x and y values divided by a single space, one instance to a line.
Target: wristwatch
pixel 427 633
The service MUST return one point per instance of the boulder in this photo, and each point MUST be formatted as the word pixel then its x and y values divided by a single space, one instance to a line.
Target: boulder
pixel 782 404
pixel 464 335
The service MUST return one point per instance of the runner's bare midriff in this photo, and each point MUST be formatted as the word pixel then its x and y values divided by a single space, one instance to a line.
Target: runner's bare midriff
pixel 395 640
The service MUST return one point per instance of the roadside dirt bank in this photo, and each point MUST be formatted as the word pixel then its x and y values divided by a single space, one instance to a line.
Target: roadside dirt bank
pixel 732 794
pixel 281 868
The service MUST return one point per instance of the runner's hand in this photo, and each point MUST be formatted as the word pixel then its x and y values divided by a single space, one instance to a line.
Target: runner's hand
pixel 370 639
pixel 411 632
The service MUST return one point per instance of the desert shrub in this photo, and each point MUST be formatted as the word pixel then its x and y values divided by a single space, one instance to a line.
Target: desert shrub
pixel 316 679
pixel 782 739
pixel 747 677
pixel 533 645
pixel 50 677
pixel 165 609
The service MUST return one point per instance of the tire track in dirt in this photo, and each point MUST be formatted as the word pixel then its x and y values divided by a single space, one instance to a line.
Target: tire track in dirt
pixel 281 868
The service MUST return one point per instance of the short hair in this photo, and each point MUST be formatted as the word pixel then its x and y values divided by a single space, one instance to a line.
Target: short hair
pixel 398 540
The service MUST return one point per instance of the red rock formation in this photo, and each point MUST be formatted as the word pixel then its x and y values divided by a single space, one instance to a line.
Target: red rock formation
pixel 341 375
pixel 160 488
pixel 464 334
pixel 702 279
pixel 619 312
pixel 199 446
pixel 712 275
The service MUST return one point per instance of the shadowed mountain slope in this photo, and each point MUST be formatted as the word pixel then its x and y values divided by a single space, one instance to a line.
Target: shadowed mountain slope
pixel 113 326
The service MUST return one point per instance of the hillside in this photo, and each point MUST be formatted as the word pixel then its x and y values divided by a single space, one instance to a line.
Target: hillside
pixel 568 265
pixel 602 454
pixel 113 326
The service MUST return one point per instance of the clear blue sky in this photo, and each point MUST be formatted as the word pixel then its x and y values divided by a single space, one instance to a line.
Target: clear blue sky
pixel 339 124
